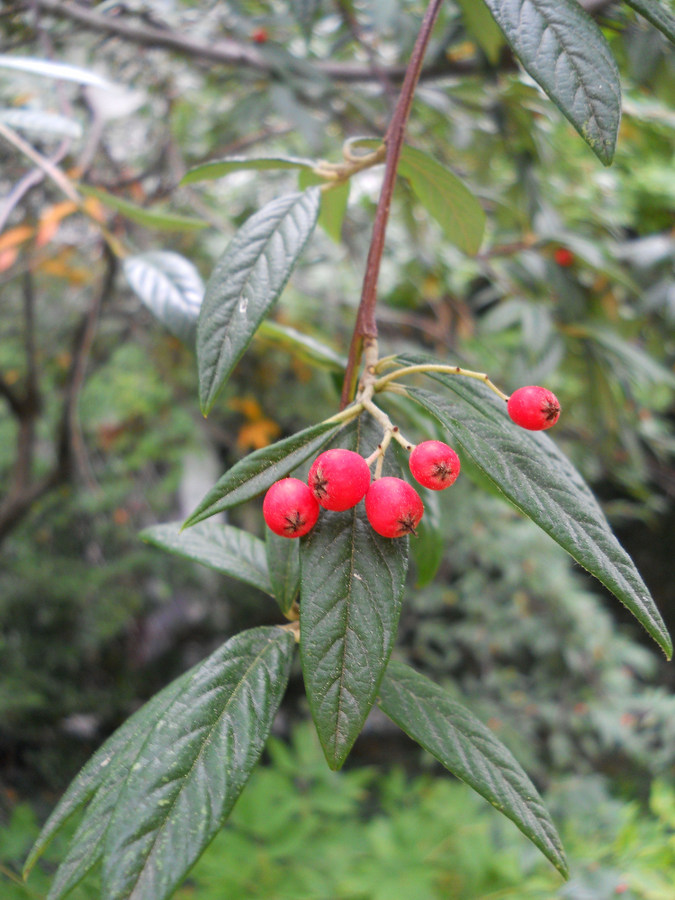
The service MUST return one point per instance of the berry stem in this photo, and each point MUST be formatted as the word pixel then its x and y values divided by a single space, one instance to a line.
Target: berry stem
pixel 381 383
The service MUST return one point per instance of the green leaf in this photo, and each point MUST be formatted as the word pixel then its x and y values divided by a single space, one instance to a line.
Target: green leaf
pixel 305 12
pixel 302 346
pixel 428 548
pixel 656 13
pixel 222 547
pixel 542 483
pixel 457 739
pixel 283 563
pixel 334 202
pixel 193 765
pixel 171 288
pixel 163 221
pixel 443 195
pixel 219 167
pixel 57 70
pixel 99 779
pixel 38 121
pixel 260 469
pixel 565 52
pixel 482 28
pixel 246 282
pixel 352 582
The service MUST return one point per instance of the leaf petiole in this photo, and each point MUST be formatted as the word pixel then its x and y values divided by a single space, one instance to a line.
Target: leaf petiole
pixel 384 381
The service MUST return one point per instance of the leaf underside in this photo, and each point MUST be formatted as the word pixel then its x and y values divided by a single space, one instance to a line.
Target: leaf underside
pixel 530 470
pixel 565 52
pixel 466 747
pixel 222 547
pixel 246 282
pixel 260 469
pixel 169 786
pixel 351 588
pixel 171 288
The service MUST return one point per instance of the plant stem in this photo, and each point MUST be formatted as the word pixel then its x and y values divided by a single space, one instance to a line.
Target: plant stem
pixel 384 382
pixel 365 329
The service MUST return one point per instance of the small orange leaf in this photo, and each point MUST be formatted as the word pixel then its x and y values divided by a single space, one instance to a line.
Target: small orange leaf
pixel 50 220
pixel 15 236
pixel 258 434
pixel 8 258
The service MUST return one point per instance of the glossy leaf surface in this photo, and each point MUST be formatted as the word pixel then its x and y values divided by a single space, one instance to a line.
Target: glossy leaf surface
pixel 222 547
pixel 283 563
pixel 529 469
pixel 246 282
pixel 460 741
pixel 565 52
pixel 352 583
pixel 260 469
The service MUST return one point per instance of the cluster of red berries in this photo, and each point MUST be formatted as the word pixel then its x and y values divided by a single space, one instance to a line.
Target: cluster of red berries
pixel 339 479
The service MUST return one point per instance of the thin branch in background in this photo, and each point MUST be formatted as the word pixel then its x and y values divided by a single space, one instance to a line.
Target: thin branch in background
pixel 379 71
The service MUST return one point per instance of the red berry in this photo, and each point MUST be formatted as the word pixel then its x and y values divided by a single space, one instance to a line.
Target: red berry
pixel 393 507
pixel 260 35
pixel 289 508
pixel 434 465
pixel 533 407
pixel 563 257
pixel 339 479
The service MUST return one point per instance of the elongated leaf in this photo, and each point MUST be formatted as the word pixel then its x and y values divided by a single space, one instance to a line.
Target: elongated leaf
pixel 542 483
pixel 427 549
pixel 303 346
pixel 563 49
pixel 247 281
pixel 171 288
pixel 37 121
pixel 222 547
pixel 219 167
pixel 352 582
pixel 466 747
pixel 656 13
pixel 260 469
pixel 99 770
pixel 87 844
pixel 334 202
pixel 283 563
pixel 150 218
pixel 194 764
pixel 49 69
pixel 443 195
pixel 482 28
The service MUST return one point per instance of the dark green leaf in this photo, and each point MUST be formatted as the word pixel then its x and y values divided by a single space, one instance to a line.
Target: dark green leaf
pixel 100 779
pixel 283 562
pixel 222 547
pixel 150 218
pixel 219 167
pixel 246 282
pixel 260 469
pixel 457 739
pixel 427 549
pixel 656 13
pixel 563 49
pixel 193 765
pixel 334 202
pixel 171 288
pixel 541 482
pixel 352 582
pixel 302 346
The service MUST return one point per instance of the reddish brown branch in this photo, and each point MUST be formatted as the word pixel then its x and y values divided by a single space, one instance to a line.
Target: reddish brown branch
pixel 366 327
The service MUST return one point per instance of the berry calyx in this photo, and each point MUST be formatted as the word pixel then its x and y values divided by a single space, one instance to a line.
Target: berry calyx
pixel 393 507
pixel 339 479
pixel 563 257
pixel 434 465
pixel 289 508
pixel 533 407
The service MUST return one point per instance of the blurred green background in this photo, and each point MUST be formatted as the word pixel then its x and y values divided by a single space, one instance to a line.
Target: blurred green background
pixel 574 287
